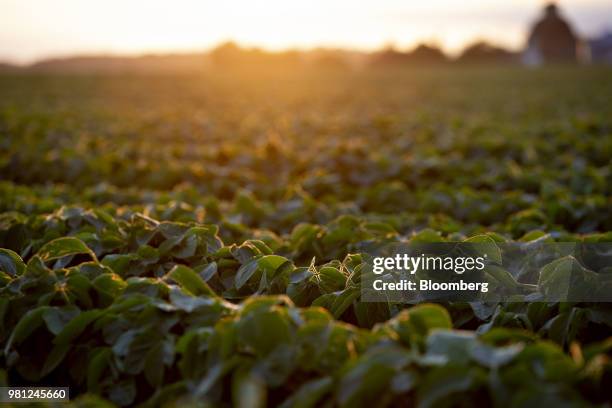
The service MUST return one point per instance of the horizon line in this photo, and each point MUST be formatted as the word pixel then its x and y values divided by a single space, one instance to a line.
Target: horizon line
pixel 161 52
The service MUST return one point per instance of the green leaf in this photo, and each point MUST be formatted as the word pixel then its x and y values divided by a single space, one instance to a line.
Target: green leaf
pixel 441 382
pixel 62 247
pixel 56 318
pixel 548 361
pixel 245 272
pixel 567 280
pixel 11 263
pixel 270 263
pixel 207 235
pixel 331 279
pixel 564 327
pixel 76 326
pixel 187 302
pixel 486 246
pixel 26 326
pixel 426 236
pixel 303 235
pixel 97 364
pixel 450 346
pixel 110 284
pixel 206 272
pixel 309 394
pixel 78 286
pixel 338 302
pixel 190 281
pixel 147 254
pixel 154 365
pixel 494 357
pixel 536 235
pixel 414 325
pixel 123 393
pixel 172 230
pixel 502 276
pixel 248 389
pixel 119 263
pixel 264 329
pixel 5 278
pixel 369 314
pixel 58 352
pixel 366 381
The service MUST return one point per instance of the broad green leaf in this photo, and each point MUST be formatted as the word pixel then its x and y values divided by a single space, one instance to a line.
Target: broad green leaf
pixel 190 281
pixel 245 272
pixel 450 346
pixel 547 360
pixel 487 247
pixel 188 302
pixel 331 279
pixel 441 382
pixel 564 327
pixel 119 263
pixel 567 279
pixel 270 263
pixel 148 254
pixel 172 229
pixel 26 326
pixel 154 365
pixel 56 318
pixel 309 394
pixel 264 330
pixel 97 364
pixel 414 324
pixel 494 357
pixel 76 326
pixel 502 276
pixel 426 236
pixel 55 357
pixel 110 284
pixel 366 381
pixel 65 246
pixel 263 303
pixel 11 263
pixel 338 302
pixel 206 272
pixel 78 287
pixel 123 393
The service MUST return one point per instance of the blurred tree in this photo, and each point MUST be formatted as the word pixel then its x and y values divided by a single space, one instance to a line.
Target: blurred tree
pixel 422 54
pixel 233 57
pixel 427 54
pixel 483 52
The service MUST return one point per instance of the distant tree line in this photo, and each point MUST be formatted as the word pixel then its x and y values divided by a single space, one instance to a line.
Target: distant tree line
pixel 229 55
pixel 425 54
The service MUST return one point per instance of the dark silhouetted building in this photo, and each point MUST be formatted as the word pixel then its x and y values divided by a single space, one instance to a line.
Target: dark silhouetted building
pixel 552 40
pixel 601 49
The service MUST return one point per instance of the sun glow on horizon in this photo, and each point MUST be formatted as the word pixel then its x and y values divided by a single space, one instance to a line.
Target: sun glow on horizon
pixel 34 29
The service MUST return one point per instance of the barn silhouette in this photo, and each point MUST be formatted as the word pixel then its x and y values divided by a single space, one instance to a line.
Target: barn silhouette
pixel 551 40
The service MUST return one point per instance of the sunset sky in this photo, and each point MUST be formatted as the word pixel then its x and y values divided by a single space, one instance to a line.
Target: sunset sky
pixel 34 29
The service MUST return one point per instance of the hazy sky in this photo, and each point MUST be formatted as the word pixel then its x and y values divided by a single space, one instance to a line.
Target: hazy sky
pixel 33 29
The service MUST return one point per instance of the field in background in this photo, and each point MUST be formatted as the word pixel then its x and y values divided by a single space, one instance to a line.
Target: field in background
pixel 259 185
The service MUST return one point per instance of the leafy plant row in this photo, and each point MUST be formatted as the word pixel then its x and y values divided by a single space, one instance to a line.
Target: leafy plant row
pixel 176 320
pixel 200 241
pixel 204 348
